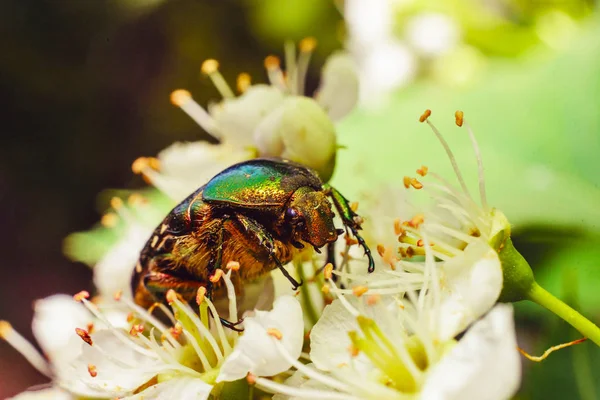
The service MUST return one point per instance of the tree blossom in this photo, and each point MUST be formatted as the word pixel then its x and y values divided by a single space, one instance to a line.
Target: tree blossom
pixel 368 346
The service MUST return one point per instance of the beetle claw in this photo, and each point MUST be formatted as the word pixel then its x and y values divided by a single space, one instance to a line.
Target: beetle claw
pixel 317 249
pixel 232 325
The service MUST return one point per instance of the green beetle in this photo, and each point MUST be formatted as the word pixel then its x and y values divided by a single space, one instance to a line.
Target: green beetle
pixel 259 213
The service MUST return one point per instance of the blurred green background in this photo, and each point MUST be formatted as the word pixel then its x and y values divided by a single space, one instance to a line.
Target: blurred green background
pixel 86 90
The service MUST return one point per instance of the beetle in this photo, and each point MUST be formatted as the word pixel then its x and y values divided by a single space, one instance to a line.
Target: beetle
pixel 259 213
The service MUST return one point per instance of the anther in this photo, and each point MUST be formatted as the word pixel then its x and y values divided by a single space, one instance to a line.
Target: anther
pixel 251 379
pixel 328 271
pixel 308 44
pixel 92 370
pixel 459 117
pixel 130 316
pixel 373 299
pixel 406 181
pixel 214 278
pixel 116 203
pixel 420 242
pixel 417 220
pixel 243 82
pixel 398 229
pixel 425 115
pixel 354 351
pixel 117 296
pixel 90 327
pixel 350 241
pixel 380 250
pixel 354 206
pixel 209 66
pixel 325 289
pixel 84 335
pixel 171 296
pixel 423 170
pixel 276 333
pixel 359 290
pixel 176 330
pixel 272 62
pixel 180 96
pixel 109 220
pixel 5 329
pixel 136 329
pixel 416 184
pixel 79 297
pixel 234 265
pixel 136 199
pixel 200 295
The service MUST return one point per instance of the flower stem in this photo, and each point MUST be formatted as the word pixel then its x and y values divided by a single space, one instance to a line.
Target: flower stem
pixel 541 296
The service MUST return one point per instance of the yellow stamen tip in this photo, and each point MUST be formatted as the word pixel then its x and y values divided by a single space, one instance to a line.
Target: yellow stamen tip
pixel 425 115
pixel 171 296
pixel 200 295
pixel 109 220
pixel 308 44
pixel 416 184
pixel 325 289
pixel 423 170
pixel 209 66
pixel 234 265
pixel 116 203
pixel 459 118
pixel 276 333
pixel 79 297
pixel 406 181
pixel 92 370
pixel 117 296
pixel 5 329
pixel 136 199
pixel 359 290
pixel 272 62
pixel 84 335
pixel 251 379
pixel 328 271
pixel 243 82
pixel 380 250
pixel 180 96
pixel 354 206
pixel 216 276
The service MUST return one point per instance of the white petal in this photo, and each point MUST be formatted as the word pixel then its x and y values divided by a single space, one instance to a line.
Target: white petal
pixel 484 365
pixel 369 21
pixel 338 93
pixel 255 351
pixel 471 285
pixel 267 135
pixel 179 387
pixel 113 272
pixel 238 117
pixel 54 321
pixel 44 394
pixel 118 374
pixel 184 167
pixel 432 34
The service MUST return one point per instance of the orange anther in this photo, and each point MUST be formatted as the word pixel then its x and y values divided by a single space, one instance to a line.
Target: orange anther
pixel 200 295
pixel 353 350
pixel 209 66
pixel 350 241
pixel 423 170
pixel 406 181
pixel 416 184
pixel 425 115
pixel 116 203
pixel 380 250
pixel 171 296
pixel 308 44
pixel 420 242
pixel 272 62
pixel 214 278
pixel 416 220
pixel 373 299
pixel 398 229
pixel 84 335
pixel 328 271
pixel 130 317
pixel 92 370
pixel 109 220
pixel 118 294
pixel 359 290
pixel 79 297
pixel 179 97
pixel 325 289
pixel 459 118
pixel 243 82
pixel 251 379
pixel 354 206
pixel 90 327
pixel 276 333
pixel 234 265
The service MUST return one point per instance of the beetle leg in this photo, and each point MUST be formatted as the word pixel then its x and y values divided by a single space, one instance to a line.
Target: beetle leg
pixel 159 283
pixel 351 220
pixel 266 240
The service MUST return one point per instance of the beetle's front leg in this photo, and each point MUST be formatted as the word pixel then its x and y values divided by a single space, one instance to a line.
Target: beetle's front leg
pixel 350 219
pixel 266 240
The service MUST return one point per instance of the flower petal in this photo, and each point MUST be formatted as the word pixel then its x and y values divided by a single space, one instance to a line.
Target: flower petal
pixel 180 387
pixel 120 368
pixel 52 393
pixel 338 93
pixel 54 321
pixel 255 351
pixel 483 365
pixel 471 285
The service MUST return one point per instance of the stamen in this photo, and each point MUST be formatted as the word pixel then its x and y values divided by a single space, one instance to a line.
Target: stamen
pixel 84 335
pixel 222 337
pixel 406 181
pixel 293 392
pixel 214 278
pixel 210 67
pixel 192 340
pixel 92 370
pixel 416 184
pixel 274 72
pixel 200 295
pixel 276 333
pixel 425 115
pixel 231 297
pixel 109 220
pixel 183 99
pixel 358 291
pixel 328 271
pixel 447 149
pixel 481 175
pixel 423 170
pixel 26 349
pixel 307 46
pixel 243 82
pixel 291 67
pixel 233 265
pixel 354 206
pixel 79 297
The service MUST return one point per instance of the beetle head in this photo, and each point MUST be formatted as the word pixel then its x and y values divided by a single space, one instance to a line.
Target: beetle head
pixel 309 213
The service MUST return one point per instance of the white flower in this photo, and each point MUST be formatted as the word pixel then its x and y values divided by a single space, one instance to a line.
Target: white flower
pixel 54 321
pixel 190 359
pixel 371 346
pixel 432 34
pixel 275 120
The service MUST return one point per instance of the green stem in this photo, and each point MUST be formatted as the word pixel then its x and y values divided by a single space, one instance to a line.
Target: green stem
pixel 541 296
pixel 307 304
